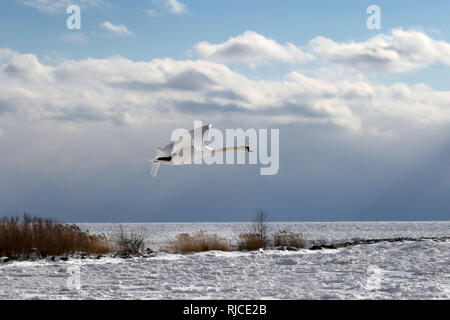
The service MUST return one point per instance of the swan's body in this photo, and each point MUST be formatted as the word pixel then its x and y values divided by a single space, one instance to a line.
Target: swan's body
pixel 172 154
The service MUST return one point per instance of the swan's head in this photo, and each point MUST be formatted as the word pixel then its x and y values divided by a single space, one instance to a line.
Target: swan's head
pixel 166 159
pixel 247 149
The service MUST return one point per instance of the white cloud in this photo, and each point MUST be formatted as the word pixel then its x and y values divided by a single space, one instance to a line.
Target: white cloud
pixel 126 92
pixel 251 47
pixel 175 6
pixel 401 51
pixel 117 29
pixel 59 6
pixel 167 6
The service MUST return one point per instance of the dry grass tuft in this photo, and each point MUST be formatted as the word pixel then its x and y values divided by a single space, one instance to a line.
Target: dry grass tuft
pixel 129 242
pixel 201 241
pixel 37 237
pixel 251 241
pixel 257 238
pixel 285 238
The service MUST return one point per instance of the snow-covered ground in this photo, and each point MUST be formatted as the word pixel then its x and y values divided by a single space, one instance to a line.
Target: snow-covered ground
pixel 398 270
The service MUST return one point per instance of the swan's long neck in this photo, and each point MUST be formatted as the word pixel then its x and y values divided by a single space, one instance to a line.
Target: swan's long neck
pixel 241 148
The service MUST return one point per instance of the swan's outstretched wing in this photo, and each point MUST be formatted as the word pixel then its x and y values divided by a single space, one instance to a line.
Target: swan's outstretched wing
pixel 193 138
pixel 166 151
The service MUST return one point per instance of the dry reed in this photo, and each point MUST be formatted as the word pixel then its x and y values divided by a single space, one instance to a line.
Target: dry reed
pixel 201 241
pixel 37 237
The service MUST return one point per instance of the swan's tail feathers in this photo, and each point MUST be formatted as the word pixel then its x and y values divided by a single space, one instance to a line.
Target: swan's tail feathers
pixel 155 168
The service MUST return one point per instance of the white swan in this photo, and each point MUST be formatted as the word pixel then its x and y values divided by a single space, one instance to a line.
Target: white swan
pixel 172 154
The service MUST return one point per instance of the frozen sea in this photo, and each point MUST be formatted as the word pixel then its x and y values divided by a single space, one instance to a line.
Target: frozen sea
pixel 385 270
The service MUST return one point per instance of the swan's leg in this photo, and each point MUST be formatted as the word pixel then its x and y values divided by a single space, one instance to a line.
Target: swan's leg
pixel 155 167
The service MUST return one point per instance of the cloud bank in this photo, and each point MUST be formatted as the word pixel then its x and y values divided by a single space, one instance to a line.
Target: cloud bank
pixel 399 52
pixel 126 92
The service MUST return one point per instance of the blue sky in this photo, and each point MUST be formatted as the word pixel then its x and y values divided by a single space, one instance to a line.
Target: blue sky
pixel 170 35
pixel 363 114
pixel 173 35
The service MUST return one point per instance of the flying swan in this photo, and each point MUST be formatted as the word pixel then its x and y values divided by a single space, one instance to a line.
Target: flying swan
pixel 172 154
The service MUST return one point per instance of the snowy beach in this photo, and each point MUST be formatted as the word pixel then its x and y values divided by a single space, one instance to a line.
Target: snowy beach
pixel 385 270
